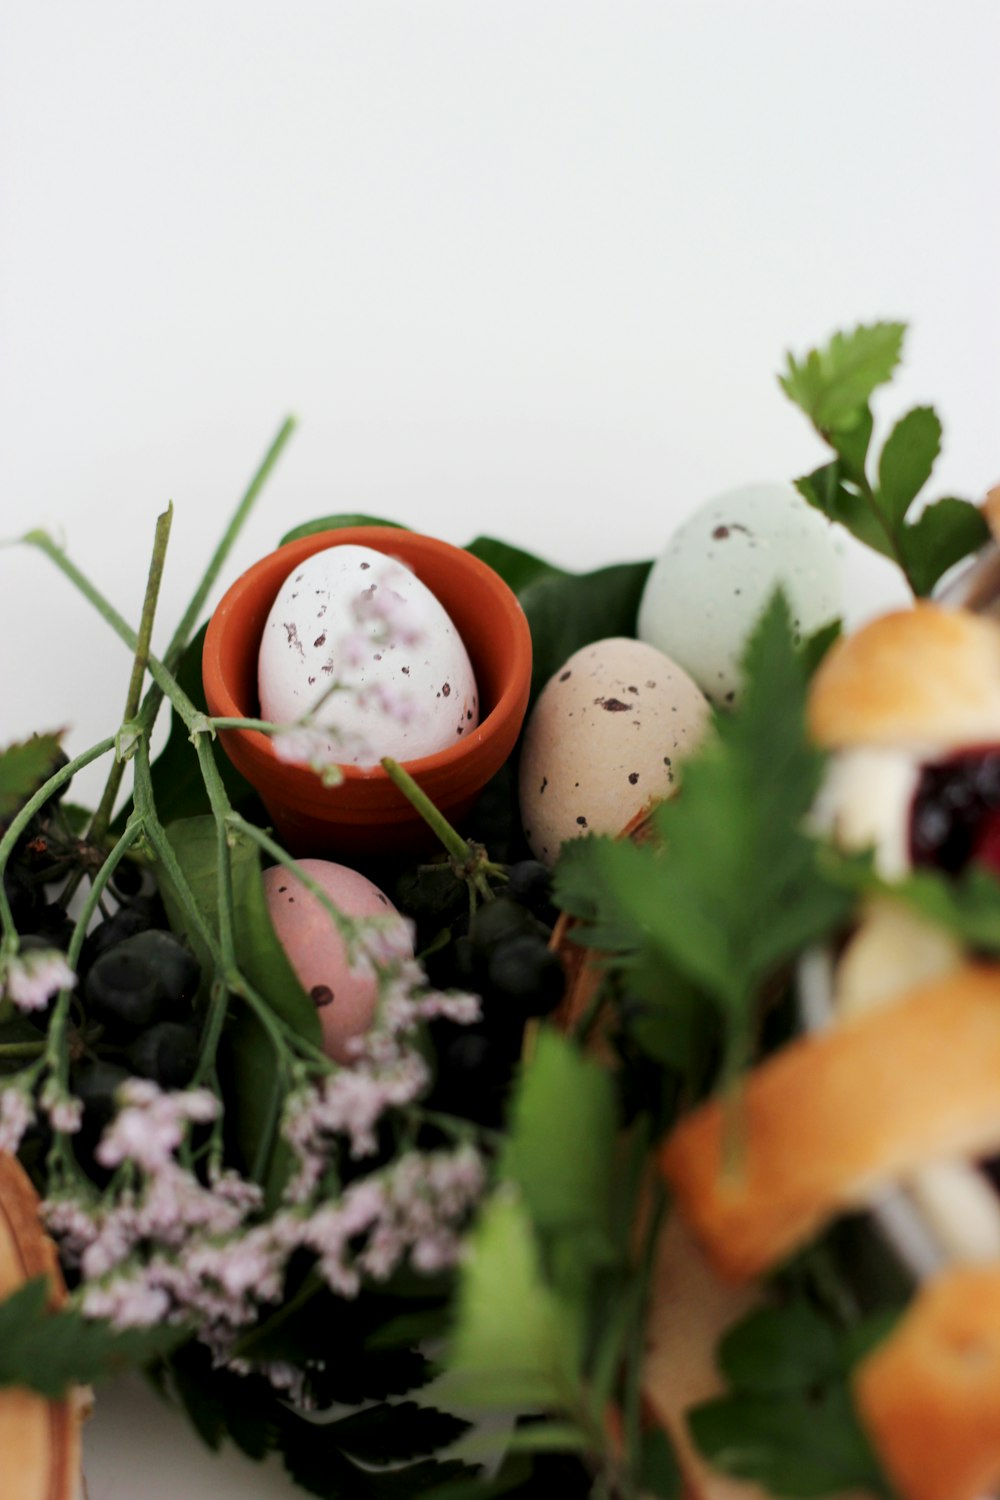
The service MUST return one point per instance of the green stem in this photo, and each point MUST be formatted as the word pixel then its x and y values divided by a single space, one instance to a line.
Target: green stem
pixel 635 1351
pixel 22 1049
pixel 189 619
pixel 102 817
pixel 470 858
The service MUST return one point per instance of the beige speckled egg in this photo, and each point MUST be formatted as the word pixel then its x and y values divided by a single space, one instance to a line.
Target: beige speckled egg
pixel 345 997
pixel 604 740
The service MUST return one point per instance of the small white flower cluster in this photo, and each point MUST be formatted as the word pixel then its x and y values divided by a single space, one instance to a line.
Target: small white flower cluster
pixel 31 977
pixel 17 1113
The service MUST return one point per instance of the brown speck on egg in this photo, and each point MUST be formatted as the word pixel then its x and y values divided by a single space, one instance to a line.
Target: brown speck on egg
pixel 378 656
pixel 365 567
pixel 650 684
pixel 292 633
pixel 667 761
pixel 460 729
pixel 405 671
pixel 633 777
pixel 320 995
pixel 447 690
pixel 384 899
pixel 730 696
pixel 298 578
pixel 320 640
pixel 564 676
pixel 545 782
pixel 282 889
pixel 633 690
pixel 310 680
pixel 468 714
pixel 613 705
pixel 581 821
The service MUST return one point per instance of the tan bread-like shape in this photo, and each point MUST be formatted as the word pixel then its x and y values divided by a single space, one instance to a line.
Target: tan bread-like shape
pixel 826 1123
pixel 39 1439
pixel 926 678
pixel 929 1395
pixel 689 1311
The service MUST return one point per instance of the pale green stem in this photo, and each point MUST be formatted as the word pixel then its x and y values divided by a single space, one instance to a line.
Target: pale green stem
pixel 102 817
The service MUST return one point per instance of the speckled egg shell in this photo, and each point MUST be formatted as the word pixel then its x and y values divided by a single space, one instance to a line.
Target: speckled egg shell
pixel 707 590
pixel 355 617
pixel 344 997
pixel 604 740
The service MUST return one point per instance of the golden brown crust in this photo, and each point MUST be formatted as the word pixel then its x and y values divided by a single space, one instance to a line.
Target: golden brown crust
pixel 39 1439
pixel 926 678
pixel 929 1396
pixel 827 1122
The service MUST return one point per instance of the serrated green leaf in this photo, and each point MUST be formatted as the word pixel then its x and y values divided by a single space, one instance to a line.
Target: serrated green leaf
pixel 815 646
pixel 943 534
pixel 337 523
pixel 907 460
pixel 23 768
pixel 833 384
pixel 515 1343
pixel 827 492
pixel 395 1434
pixel 50 1351
pixel 560 1144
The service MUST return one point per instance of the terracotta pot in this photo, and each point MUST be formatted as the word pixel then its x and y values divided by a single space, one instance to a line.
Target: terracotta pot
pixel 366 814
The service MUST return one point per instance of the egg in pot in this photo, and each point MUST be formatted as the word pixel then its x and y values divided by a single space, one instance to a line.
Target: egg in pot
pixel 605 740
pixel 345 997
pixel 355 640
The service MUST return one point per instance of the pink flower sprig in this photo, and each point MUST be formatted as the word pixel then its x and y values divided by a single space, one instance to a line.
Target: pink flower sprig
pixel 31 977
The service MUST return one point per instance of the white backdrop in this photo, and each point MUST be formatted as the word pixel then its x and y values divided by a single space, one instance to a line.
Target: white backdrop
pixel 519 266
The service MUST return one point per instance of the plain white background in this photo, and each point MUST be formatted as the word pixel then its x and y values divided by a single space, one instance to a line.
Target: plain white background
pixel 526 267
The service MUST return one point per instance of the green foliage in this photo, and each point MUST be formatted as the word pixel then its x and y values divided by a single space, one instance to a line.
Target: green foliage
pixel 833 386
pixel 336 523
pixel 50 1351
pixel 736 890
pixel 516 567
pixel 787 1421
pixel 23 768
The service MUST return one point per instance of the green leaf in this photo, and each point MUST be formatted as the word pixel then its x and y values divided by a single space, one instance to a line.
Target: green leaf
pixel 815 646
pixel 51 1351
pixel 337 523
pixel 258 952
pixel 560 1145
pixel 792 1444
pixel 23 769
pixel 517 568
pixel 395 1433
pixel 833 384
pixel 567 611
pixel 907 460
pixel 736 889
pixel 827 492
pixel 944 534
pixel 967 905
pixel 515 1343
pixel 659 1472
pixel 256 1087
pixel 780 1349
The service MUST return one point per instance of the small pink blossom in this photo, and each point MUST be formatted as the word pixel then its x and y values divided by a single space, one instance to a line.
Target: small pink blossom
pixel 385 607
pixel 127 1302
pixel 32 977
pixel 152 1124
pixel 17 1112
pixel 65 1113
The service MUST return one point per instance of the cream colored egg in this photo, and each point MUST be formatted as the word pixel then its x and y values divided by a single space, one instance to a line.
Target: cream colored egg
pixel 604 740
pixel 355 640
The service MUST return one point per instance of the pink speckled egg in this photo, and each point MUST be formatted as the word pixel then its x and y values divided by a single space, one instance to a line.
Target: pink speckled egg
pixel 344 997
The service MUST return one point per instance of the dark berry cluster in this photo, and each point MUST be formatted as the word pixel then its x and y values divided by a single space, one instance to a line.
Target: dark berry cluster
pixel 956 812
pixel 501 952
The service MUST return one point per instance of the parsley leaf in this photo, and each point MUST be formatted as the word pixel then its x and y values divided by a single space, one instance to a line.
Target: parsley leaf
pixel 49 1351
pixel 833 386
pixel 737 888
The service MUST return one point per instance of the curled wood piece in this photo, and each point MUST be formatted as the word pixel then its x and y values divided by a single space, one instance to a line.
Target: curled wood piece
pixel 823 1125
pixel 930 1394
pixel 39 1439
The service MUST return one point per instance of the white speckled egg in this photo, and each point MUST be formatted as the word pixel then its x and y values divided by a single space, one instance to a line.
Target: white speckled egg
pixel 604 739
pixel 706 592
pixel 344 997
pixel 354 635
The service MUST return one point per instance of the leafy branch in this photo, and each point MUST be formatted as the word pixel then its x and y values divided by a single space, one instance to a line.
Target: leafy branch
pixel 833 385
